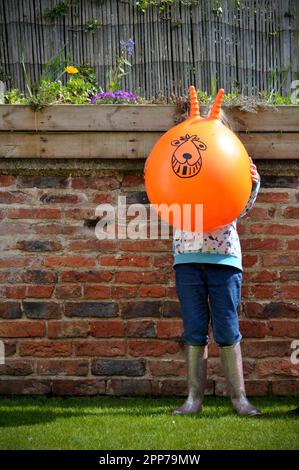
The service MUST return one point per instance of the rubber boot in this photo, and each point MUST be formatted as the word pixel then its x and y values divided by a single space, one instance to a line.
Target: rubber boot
pixel 231 357
pixel 197 376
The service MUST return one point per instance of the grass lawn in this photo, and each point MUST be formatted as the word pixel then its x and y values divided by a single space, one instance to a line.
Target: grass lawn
pixel 111 423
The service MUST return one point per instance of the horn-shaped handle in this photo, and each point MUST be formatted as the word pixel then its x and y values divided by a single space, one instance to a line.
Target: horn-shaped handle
pixel 215 111
pixel 194 105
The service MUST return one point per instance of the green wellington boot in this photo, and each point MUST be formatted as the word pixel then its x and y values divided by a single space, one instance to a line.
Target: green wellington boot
pixel 197 357
pixel 231 357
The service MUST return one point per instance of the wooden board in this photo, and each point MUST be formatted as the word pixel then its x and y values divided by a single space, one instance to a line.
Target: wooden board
pixel 127 145
pixel 134 118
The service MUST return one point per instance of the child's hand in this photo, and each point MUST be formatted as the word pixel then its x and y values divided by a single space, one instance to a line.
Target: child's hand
pixel 253 171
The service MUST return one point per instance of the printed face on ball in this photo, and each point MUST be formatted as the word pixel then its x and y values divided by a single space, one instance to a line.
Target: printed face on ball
pixel 186 159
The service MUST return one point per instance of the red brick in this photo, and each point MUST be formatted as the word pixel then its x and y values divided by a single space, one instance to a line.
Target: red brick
pixel 258 244
pixel 10 310
pixel 39 292
pixel 289 276
pixel 69 261
pixel 262 276
pixel 263 292
pixel 274 229
pixel 280 260
pixel 167 367
pixel 14 228
pixel 56 367
pixel 283 328
pixel 129 387
pixel 261 213
pixel 273 196
pixel 15 197
pixel 56 229
pixel 68 329
pixel 68 291
pixel 122 292
pixel 145 245
pixel 93 245
pixel 274 366
pixel 171 292
pixel 140 328
pixel 45 348
pixel 15 367
pixel 161 261
pixel 152 347
pixel 22 329
pixel 105 183
pixel 85 276
pixel 13 262
pixel 95 291
pixel 133 260
pixel 38 245
pixel 215 367
pixel 291 212
pixel 79 213
pixel 130 181
pixel 15 292
pixel 102 198
pixel 249 260
pixel 293 244
pixel 107 328
pixel 285 387
pixel 7 180
pixel 266 348
pixel 152 291
pixel 169 328
pixel 38 213
pixel 271 310
pixel 253 329
pixel 82 387
pixel 289 292
pixel 62 198
pixel 24 386
pixel 105 348
pixel 10 347
pixel 134 277
pixel 253 387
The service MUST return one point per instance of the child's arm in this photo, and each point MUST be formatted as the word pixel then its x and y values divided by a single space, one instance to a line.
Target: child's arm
pixel 256 183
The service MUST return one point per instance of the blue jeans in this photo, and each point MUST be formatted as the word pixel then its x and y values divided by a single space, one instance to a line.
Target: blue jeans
pixel 201 284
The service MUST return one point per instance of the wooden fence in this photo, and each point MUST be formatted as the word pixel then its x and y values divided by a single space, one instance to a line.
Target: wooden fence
pixel 251 45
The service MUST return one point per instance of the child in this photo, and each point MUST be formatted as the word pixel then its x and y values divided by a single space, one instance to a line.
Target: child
pixel 208 281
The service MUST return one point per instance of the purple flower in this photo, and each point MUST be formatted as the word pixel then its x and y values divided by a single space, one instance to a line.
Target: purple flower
pixel 127 46
pixel 114 96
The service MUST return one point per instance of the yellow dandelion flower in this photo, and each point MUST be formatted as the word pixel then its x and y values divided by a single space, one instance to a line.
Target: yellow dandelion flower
pixel 71 70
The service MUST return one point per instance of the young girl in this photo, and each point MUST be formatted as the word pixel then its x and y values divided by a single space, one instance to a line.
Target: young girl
pixel 208 283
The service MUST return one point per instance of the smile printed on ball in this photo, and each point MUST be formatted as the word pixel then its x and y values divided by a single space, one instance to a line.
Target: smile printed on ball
pixel 186 159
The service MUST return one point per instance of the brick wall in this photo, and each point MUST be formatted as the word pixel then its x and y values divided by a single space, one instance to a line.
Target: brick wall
pixel 83 316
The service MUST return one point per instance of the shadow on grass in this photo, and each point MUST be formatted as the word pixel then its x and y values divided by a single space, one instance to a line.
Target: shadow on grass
pixel 24 411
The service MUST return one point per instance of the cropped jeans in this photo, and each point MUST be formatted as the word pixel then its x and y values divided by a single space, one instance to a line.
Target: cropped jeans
pixel 207 292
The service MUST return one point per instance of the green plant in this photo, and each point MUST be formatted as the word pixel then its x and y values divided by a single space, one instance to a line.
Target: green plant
pixel 116 74
pixel 76 91
pixel 142 5
pixel 14 96
pixel 92 26
pixel 59 10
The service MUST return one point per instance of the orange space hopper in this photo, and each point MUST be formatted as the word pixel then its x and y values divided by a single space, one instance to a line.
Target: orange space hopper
pixel 199 161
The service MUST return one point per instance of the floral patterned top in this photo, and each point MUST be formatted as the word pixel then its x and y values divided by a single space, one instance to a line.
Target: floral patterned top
pixel 220 246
